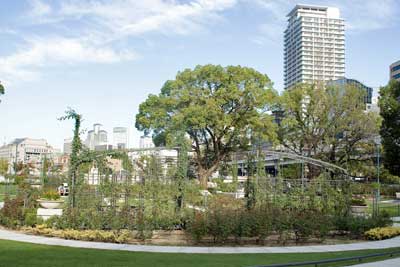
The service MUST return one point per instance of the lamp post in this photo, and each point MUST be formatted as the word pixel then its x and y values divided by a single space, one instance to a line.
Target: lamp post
pixel 377 141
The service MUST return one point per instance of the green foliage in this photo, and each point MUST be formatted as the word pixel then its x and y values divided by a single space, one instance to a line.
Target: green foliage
pixel 30 218
pixel 2 90
pixel 389 105
pixel 51 195
pixel 3 166
pixel 358 225
pixel 381 233
pixel 358 201
pixel 328 123
pixel 219 109
pixel 12 214
pixel 122 236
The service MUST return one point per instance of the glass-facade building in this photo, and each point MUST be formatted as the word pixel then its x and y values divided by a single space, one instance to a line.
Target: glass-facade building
pixel 395 71
pixel 345 82
pixel 314 45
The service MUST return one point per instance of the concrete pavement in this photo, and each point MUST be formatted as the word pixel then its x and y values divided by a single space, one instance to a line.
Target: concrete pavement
pixel 385 263
pixel 17 236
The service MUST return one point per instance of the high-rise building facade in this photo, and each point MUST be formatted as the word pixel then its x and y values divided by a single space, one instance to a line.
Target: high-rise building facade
pixel 120 137
pixel 395 70
pixel 314 45
pixel 96 137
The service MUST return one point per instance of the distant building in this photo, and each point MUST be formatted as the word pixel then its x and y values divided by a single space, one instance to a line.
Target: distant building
pixel 120 137
pixel 104 147
pixel 146 142
pixel 373 107
pixel 395 71
pixel 344 82
pixel 67 149
pixel 27 150
pixel 314 45
pixel 96 137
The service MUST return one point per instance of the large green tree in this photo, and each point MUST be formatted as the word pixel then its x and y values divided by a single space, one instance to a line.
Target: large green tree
pixel 2 90
pixel 329 123
pixel 389 103
pixel 219 108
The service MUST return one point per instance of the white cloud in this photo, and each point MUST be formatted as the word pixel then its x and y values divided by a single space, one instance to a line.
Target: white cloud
pixel 39 8
pixel 103 23
pixel 120 18
pixel 362 16
pixel 25 64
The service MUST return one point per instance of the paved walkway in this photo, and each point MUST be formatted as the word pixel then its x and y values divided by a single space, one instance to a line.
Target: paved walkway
pixel 385 263
pixel 17 236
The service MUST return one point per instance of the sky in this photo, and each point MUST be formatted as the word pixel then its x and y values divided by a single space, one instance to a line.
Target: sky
pixel 102 58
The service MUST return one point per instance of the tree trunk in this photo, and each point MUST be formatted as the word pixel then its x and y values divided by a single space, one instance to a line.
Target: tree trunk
pixel 205 174
pixel 203 177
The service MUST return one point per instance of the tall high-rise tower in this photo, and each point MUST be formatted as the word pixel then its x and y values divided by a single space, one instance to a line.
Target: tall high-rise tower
pixel 395 70
pixel 314 45
pixel 120 137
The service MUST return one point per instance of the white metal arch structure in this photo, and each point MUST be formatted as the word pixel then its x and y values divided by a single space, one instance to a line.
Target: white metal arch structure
pixel 312 161
pixel 315 162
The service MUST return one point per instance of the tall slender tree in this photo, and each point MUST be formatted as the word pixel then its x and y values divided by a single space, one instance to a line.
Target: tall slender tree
pixel 389 103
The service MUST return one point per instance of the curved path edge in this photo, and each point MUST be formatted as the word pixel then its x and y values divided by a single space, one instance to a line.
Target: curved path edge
pixel 53 241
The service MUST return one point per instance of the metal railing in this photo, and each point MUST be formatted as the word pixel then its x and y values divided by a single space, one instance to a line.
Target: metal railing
pixel 321 262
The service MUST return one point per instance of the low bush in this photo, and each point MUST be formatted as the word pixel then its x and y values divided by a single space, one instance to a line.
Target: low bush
pixel 51 195
pixel 358 201
pixel 358 225
pixel 122 236
pixel 381 233
pixel 12 213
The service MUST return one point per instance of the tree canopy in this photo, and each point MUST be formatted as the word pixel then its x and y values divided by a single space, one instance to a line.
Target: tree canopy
pixel 389 103
pixel 220 109
pixel 329 123
pixel 2 90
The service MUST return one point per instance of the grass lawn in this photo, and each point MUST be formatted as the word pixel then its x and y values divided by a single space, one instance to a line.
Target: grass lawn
pixel 392 208
pixel 25 254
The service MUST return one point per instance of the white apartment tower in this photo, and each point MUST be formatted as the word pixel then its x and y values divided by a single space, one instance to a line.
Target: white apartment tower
pixel 314 45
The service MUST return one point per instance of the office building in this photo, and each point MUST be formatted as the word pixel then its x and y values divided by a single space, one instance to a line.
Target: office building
pixel 314 45
pixel 351 82
pixel 27 150
pixel 120 137
pixel 96 137
pixel 395 71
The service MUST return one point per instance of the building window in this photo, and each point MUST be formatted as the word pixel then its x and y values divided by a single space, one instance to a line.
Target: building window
pixel 396 68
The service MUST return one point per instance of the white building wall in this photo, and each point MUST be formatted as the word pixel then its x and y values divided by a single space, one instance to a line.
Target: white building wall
pixel 314 45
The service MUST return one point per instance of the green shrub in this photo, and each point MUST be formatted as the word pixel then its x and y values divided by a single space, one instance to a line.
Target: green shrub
pixel 12 213
pixel 381 233
pixel 197 226
pixel 122 236
pixel 357 225
pixel 358 201
pixel 51 195
pixel 30 217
